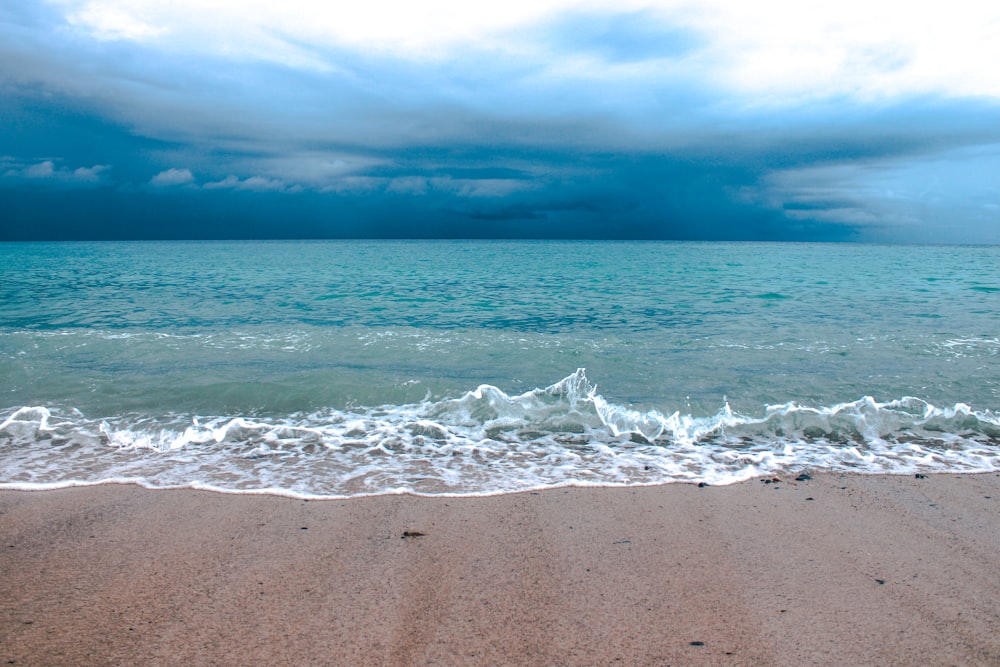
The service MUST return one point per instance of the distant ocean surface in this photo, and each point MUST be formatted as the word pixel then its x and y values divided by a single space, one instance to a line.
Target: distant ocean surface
pixel 331 369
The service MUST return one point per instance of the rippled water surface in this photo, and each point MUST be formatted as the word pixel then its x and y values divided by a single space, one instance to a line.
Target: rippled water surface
pixel 338 368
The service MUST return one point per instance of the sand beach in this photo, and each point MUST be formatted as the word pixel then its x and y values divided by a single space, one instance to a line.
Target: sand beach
pixel 837 569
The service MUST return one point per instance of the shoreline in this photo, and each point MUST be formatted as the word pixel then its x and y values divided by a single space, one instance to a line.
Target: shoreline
pixel 838 569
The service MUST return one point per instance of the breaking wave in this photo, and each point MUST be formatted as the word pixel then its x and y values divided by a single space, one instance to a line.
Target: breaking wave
pixel 489 442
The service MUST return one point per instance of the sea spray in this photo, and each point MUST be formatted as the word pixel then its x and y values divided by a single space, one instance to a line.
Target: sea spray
pixel 487 441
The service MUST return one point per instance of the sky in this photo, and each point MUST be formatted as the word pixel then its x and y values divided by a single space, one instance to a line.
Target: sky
pixel 711 119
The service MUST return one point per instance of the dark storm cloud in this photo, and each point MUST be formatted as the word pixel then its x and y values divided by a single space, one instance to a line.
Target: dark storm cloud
pixel 107 139
pixel 419 192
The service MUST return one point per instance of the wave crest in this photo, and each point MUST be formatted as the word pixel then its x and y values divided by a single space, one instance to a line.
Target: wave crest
pixel 487 441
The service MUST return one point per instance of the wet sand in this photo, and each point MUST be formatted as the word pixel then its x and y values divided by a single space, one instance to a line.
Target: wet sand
pixel 839 569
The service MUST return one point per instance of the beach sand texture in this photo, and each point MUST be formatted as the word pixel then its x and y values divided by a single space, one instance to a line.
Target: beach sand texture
pixel 835 570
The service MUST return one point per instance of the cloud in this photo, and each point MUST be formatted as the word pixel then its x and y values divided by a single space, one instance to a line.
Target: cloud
pixel 948 195
pixel 629 76
pixel 308 168
pixel 769 52
pixel 251 183
pixel 111 21
pixel 90 174
pixel 51 171
pixel 172 177
pixel 243 26
pixel 481 187
pixel 425 184
pixel 45 169
pixel 670 119
pixel 615 36
pixel 408 185
pixel 356 185
pixel 784 53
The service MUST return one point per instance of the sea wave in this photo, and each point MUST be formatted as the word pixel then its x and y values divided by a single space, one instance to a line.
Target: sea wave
pixel 486 442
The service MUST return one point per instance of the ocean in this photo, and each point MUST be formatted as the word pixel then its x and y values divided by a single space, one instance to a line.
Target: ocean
pixel 322 369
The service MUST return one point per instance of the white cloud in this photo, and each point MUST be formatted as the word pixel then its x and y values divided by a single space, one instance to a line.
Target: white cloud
pixel 90 173
pixel 172 177
pixel 867 49
pixel 252 183
pixel 411 28
pixel 50 170
pixel 44 169
pixel 226 183
pixel 310 169
pixel 774 50
pixel 113 20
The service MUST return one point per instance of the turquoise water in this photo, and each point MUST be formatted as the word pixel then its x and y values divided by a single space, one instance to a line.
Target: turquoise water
pixel 340 368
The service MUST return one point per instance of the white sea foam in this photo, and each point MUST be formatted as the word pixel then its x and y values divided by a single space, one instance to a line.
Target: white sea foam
pixel 971 347
pixel 486 442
